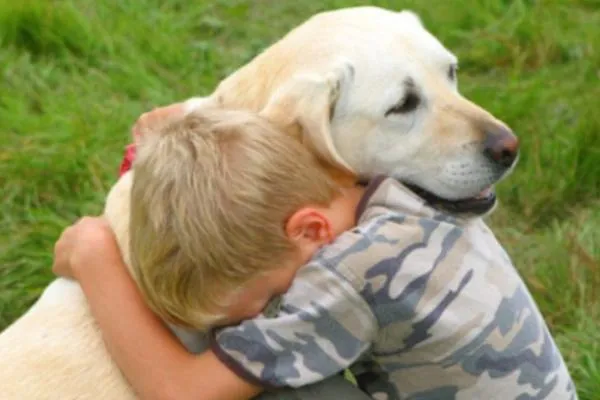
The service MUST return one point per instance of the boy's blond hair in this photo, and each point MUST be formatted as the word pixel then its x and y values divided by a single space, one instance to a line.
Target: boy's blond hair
pixel 211 194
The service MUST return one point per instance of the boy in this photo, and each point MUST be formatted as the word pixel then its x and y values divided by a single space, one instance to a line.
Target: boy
pixel 430 305
pixel 201 224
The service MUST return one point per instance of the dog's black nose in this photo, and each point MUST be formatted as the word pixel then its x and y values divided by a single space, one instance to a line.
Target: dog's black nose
pixel 501 146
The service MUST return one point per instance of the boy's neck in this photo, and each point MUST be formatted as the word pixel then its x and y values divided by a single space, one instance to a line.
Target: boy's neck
pixel 344 209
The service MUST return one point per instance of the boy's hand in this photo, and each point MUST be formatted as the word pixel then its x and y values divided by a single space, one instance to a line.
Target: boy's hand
pixel 158 115
pixel 88 242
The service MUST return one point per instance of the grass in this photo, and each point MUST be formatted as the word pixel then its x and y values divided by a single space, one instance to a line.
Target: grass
pixel 76 74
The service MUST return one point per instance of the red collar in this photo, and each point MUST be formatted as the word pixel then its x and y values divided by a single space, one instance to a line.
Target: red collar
pixel 127 159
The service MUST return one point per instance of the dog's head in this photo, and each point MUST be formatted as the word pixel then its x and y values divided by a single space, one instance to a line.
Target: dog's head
pixel 373 92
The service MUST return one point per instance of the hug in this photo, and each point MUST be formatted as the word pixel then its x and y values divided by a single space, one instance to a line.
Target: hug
pixel 320 213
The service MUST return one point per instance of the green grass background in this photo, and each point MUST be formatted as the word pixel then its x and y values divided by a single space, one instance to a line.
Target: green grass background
pixel 76 74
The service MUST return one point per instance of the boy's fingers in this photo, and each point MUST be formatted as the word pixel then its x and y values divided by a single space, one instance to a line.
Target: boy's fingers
pixel 74 242
pixel 60 258
pixel 62 250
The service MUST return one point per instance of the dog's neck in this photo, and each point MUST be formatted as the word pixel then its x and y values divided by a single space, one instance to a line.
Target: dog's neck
pixel 117 212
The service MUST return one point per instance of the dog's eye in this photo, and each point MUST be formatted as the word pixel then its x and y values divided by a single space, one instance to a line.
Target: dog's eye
pixel 410 103
pixel 452 72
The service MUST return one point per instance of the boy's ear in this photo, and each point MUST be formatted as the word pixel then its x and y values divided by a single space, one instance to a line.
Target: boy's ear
pixel 309 225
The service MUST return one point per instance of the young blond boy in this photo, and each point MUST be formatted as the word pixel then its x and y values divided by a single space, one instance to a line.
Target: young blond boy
pixel 218 197
pixel 429 304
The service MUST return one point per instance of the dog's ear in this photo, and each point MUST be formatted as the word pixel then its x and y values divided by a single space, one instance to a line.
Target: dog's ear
pixel 304 106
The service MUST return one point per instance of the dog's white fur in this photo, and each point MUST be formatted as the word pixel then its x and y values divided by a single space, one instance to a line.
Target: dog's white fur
pixel 330 82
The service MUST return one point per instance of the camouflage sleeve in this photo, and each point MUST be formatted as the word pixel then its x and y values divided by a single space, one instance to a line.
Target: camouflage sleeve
pixel 323 326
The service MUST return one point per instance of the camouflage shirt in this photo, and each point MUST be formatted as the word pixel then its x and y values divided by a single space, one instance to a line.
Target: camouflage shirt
pixel 421 304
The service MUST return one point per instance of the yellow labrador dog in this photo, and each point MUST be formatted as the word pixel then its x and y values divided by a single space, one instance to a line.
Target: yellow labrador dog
pixel 370 91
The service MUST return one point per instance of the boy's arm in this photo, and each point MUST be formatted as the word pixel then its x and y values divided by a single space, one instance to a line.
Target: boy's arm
pixel 323 327
pixel 151 358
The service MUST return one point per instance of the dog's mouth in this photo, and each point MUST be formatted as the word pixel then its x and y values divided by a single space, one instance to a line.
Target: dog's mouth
pixel 480 204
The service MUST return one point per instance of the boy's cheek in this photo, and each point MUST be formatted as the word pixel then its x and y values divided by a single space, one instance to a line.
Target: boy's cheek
pixel 245 310
pixel 286 284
